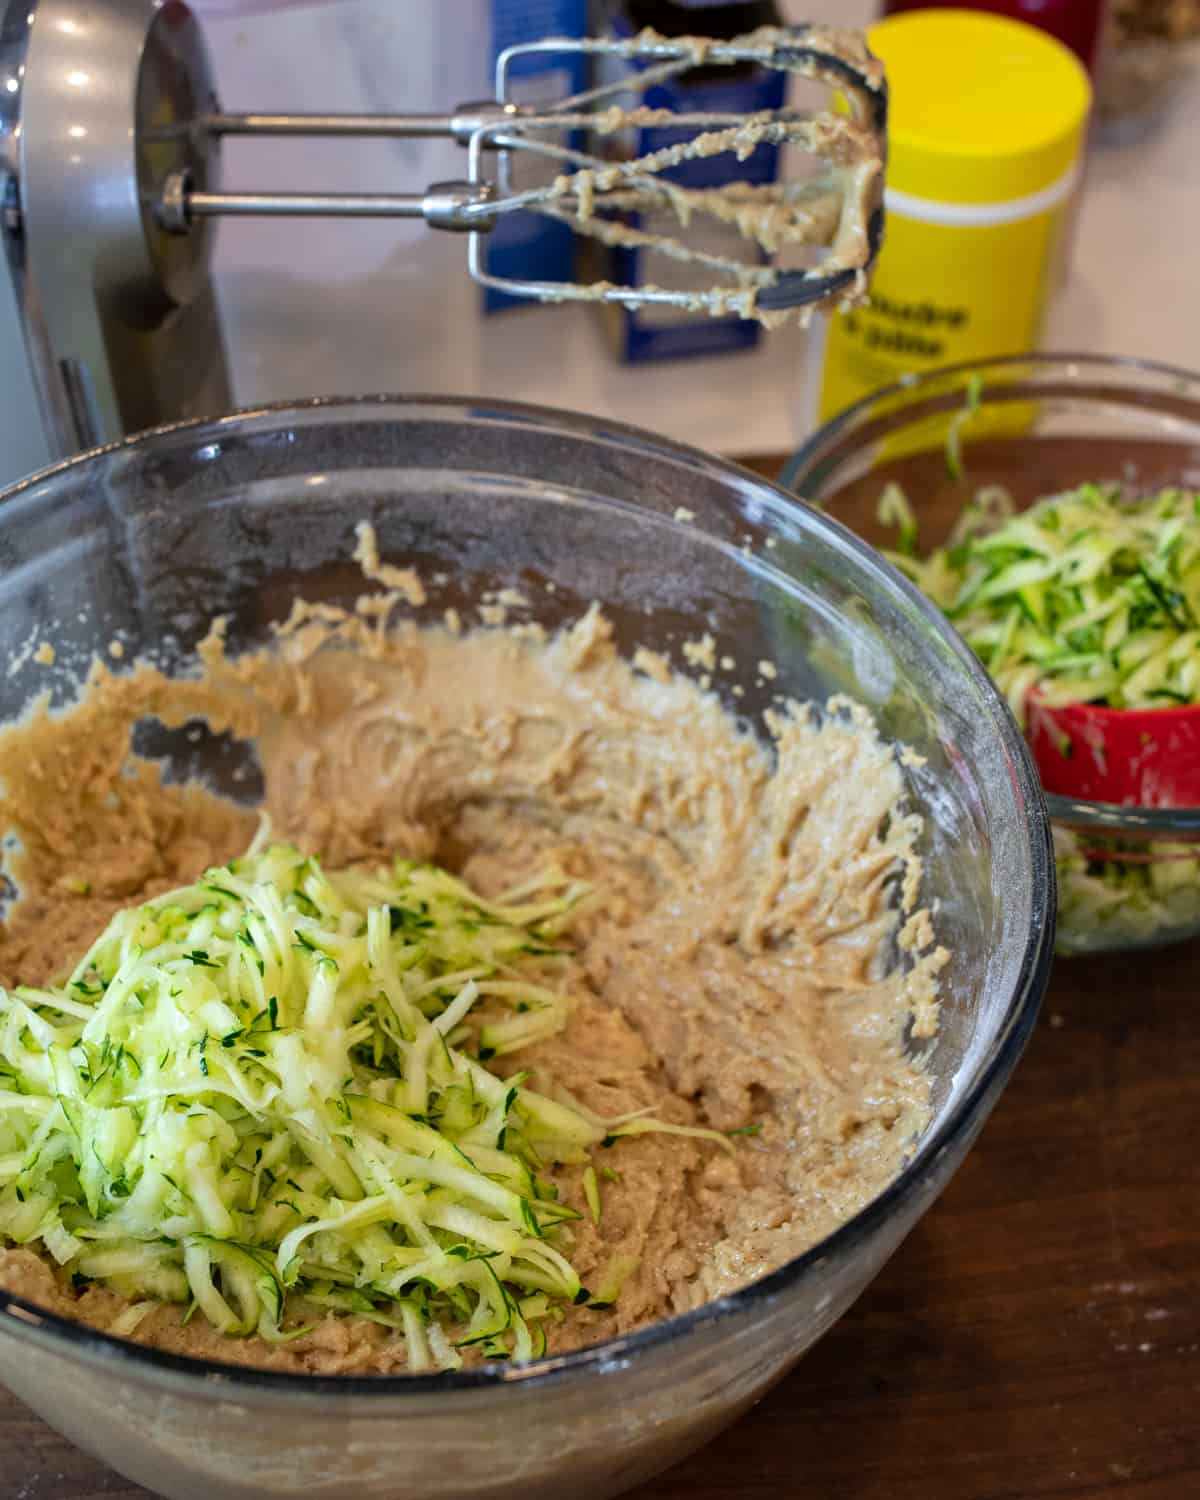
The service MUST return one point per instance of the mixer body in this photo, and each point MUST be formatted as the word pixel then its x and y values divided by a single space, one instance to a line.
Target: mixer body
pixel 108 322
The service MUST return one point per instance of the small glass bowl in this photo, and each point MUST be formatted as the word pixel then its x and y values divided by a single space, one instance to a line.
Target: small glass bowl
pixel 1129 877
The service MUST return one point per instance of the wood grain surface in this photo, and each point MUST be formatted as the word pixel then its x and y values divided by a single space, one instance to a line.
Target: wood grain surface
pixel 1037 1335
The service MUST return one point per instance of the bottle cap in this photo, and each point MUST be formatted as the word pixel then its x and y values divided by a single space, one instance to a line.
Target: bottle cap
pixel 983 109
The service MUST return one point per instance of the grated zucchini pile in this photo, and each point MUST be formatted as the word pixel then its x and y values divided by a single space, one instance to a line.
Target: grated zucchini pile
pixel 1089 596
pixel 265 1095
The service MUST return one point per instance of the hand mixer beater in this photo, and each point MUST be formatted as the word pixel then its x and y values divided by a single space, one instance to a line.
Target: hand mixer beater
pixel 110 133
pixel 838 211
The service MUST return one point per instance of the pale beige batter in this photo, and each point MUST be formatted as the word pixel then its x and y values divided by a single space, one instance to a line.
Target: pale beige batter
pixel 733 971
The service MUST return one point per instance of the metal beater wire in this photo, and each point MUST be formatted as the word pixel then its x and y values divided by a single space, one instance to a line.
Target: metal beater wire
pixel 604 197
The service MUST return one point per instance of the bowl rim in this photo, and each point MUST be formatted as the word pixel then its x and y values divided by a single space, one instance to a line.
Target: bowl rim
pixel 219 1380
pixel 1113 818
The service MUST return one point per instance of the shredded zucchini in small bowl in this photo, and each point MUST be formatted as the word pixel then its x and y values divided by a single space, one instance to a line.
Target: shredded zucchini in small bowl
pixel 1089 596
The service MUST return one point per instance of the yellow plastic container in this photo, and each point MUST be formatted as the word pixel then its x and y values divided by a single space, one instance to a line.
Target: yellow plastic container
pixel 985 134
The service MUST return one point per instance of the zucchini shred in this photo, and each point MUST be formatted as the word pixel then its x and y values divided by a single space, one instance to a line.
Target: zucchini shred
pixel 1111 889
pixel 1091 595
pixel 265 1096
pixel 1088 596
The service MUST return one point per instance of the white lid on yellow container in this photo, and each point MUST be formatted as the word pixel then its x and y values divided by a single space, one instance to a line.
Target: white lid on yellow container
pixel 983 109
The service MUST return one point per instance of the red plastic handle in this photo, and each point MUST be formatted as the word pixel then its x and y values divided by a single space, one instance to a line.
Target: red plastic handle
pixel 1137 757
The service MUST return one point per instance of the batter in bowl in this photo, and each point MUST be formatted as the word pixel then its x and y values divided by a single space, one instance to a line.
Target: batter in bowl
pixel 755 961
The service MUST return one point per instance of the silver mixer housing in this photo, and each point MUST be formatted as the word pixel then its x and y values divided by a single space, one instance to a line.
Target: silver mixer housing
pixel 108 322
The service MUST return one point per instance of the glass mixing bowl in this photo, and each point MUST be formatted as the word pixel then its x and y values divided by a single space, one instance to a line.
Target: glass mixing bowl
pixel 1127 876
pixel 145 542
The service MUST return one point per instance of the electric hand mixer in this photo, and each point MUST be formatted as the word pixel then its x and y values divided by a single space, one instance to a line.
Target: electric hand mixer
pixel 110 134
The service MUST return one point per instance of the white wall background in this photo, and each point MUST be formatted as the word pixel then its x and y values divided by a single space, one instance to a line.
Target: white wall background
pixel 341 307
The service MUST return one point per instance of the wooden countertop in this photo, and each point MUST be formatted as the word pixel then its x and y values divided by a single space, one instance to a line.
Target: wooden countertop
pixel 1037 1335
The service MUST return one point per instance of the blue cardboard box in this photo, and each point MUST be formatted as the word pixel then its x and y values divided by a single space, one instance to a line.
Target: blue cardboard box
pixel 664 332
pixel 528 244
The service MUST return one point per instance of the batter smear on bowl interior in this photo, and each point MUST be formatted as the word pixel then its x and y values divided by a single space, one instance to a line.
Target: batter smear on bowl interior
pixel 731 970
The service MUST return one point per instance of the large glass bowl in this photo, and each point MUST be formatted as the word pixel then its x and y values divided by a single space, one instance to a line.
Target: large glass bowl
pixel 1128 877
pixel 146 541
